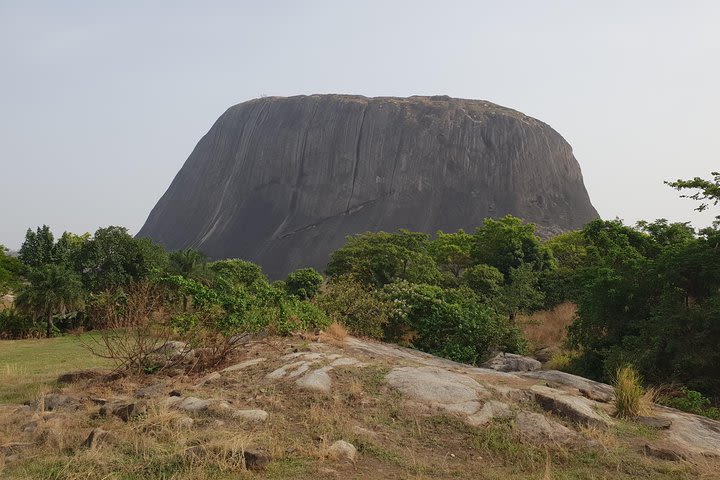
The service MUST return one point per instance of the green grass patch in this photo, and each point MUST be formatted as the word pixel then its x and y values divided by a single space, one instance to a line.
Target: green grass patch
pixel 28 367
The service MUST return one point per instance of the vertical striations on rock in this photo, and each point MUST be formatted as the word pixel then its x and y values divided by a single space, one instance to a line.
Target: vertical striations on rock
pixel 281 181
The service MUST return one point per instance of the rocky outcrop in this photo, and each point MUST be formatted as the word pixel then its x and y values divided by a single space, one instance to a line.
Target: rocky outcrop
pixel 283 181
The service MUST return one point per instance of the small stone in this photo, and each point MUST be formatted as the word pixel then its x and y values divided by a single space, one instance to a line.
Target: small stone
pixel 342 450
pixel 95 438
pixel 176 393
pixel 184 422
pixel 255 460
pixel 317 380
pixel 192 404
pixel 253 416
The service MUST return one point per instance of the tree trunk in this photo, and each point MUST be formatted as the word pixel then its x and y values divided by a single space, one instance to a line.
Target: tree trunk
pixel 49 325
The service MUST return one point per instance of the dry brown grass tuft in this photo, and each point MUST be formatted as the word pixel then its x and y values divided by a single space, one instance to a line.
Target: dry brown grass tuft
pixel 335 333
pixel 548 328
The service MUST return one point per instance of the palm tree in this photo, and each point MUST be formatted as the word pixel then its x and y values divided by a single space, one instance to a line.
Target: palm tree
pixel 52 289
pixel 188 263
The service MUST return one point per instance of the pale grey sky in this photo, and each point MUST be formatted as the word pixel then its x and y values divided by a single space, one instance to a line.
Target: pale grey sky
pixel 102 102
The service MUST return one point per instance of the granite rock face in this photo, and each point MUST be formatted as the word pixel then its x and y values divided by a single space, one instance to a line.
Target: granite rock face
pixel 282 181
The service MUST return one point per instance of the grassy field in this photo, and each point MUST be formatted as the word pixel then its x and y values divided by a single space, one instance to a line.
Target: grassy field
pixel 28 367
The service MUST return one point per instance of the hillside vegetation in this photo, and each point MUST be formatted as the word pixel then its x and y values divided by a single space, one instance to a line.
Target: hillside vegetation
pixel 609 298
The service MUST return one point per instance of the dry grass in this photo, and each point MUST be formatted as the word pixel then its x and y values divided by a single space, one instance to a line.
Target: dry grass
pixel 335 333
pixel 548 328
pixel 631 399
pixel 394 439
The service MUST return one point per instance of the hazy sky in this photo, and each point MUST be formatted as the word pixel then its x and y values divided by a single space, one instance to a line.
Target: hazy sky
pixel 101 105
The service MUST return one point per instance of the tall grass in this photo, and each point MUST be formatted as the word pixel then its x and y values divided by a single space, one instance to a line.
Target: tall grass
pixel 631 399
pixel 548 328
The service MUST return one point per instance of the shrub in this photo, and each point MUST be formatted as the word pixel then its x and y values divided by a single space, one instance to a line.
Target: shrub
pixel 357 306
pixel 454 323
pixel 690 401
pixel 134 326
pixel 14 325
pixel 303 283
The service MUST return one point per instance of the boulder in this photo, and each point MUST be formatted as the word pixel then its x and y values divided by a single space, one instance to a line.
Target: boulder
pixel 452 392
pixel 96 437
pixel 125 410
pixel 538 428
pixel 342 450
pixel 597 391
pixel 510 362
pixel 491 410
pixel 317 380
pixel 576 409
pixel 192 404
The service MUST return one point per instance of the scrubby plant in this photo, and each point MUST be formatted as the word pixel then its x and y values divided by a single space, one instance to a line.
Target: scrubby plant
pixel 357 306
pixel 690 401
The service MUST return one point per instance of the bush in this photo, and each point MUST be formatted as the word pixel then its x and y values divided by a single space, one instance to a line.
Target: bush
pixel 453 323
pixel 14 325
pixel 690 401
pixel 357 306
pixel 303 283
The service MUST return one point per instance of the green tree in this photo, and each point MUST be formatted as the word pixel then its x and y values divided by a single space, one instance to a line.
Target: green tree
pixel 10 269
pixel 37 249
pixel 451 253
pixel 67 249
pixel 568 249
pixel 188 263
pixel 380 258
pixel 52 290
pixel 521 294
pixel 112 258
pixel 238 273
pixel 303 283
pixel 508 243
pixel 485 280
pixel 706 191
